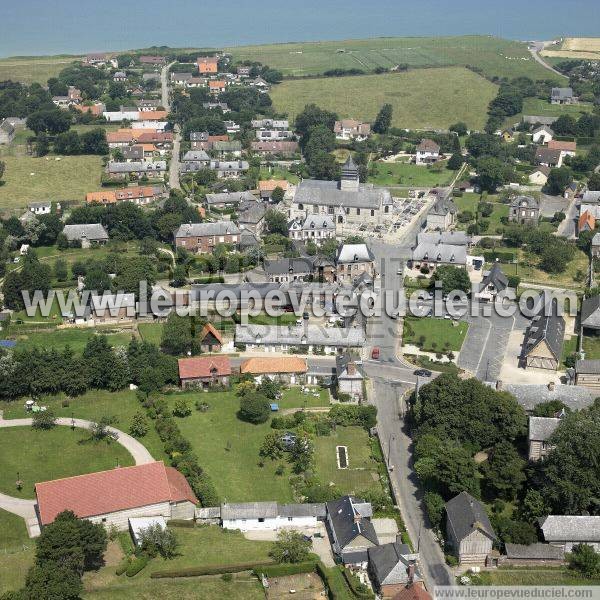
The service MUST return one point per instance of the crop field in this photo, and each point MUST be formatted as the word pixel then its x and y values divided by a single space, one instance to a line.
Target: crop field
pixel 33 69
pixel 494 56
pixel 427 98
pixel 584 48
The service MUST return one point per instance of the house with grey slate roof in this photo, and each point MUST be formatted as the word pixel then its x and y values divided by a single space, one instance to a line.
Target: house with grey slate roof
pixel 587 373
pixel 566 531
pixel 203 237
pixel 228 199
pixel 251 215
pixel 346 201
pixel 524 210
pixel 262 516
pixel 392 567
pixel 351 530
pixel 562 95
pixel 88 234
pixel 590 313
pixel 543 343
pixel 493 282
pixel 354 260
pixel 308 338
pixel 349 376
pixel 315 228
pixel 536 554
pixel 540 432
pixel 452 238
pixel 442 214
pixel 469 530
pixel 285 270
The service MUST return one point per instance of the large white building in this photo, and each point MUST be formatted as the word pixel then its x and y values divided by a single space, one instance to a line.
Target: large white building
pixel 257 516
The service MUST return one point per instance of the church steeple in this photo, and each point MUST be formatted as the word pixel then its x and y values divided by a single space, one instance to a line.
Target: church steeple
pixel 349 180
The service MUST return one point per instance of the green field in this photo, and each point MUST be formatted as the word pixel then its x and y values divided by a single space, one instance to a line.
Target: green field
pixel 441 335
pixel 533 576
pixel 58 452
pixel 294 398
pixel 75 338
pixel 541 107
pixel 92 406
pixel 30 69
pixel 29 179
pixel 390 174
pixel 424 98
pixel 16 551
pixel 494 56
pixel 151 332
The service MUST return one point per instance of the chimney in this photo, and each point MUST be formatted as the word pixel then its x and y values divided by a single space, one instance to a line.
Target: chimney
pixel 411 572
pixel 499 384
pixel 351 368
pixel 551 386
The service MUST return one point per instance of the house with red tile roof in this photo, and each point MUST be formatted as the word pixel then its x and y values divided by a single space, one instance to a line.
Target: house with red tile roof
pixel 112 497
pixel 208 65
pixel 204 371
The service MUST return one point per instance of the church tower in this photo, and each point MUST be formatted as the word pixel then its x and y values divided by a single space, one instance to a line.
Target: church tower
pixel 349 180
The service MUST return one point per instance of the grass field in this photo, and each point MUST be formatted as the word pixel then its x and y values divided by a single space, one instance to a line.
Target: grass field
pixel 30 69
pixel 425 98
pixel 403 173
pixel 533 576
pixel 151 332
pixel 441 335
pixel 541 107
pixel 361 473
pixel 45 455
pixel 75 338
pixel 494 56
pixel 92 406
pixel 29 179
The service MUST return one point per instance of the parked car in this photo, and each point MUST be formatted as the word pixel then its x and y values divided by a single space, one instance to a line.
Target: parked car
pixel 423 373
pixel 375 353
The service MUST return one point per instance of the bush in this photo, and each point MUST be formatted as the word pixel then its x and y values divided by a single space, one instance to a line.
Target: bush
pixel 136 565
pixel 210 570
pixel 43 420
pixel 334 581
pixel 361 415
pixel 227 577
pixel 122 567
pixel 287 569
pixel 360 590
pixel 254 408
pixel 451 560
pixel 181 408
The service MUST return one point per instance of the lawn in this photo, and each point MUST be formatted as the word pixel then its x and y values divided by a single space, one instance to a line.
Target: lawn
pixel 29 179
pixel 468 201
pixel 265 319
pixel 460 95
pixel 569 347
pixel 441 335
pixel 59 452
pixel 533 576
pixel 227 449
pixel 541 107
pixel 75 338
pixel 495 56
pixel 402 173
pixel 361 473
pixel 92 406
pixel 278 173
pixel 151 332
pixel 30 69
pixel 16 551
pixel 294 398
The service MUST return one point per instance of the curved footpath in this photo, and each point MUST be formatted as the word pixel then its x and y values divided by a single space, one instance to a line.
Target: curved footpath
pixel 26 508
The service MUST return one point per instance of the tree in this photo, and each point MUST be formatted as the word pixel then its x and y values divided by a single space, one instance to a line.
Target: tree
pixel 459 128
pixel 254 408
pixel 565 125
pixel 269 387
pixel 492 172
pixel 558 180
pixel 301 453
pixel 51 121
pixel 435 507
pixel 272 447
pixel 453 278
pixel 2 168
pixel 503 472
pixel 276 222
pixel 100 430
pixel 455 162
pixel 52 581
pixel 323 165
pixel 94 142
pixel 291 547
pixel 67 143
pixel 154 540
pixel 60 269
pixel 312 116
pixel 383 121
pixel 584 559
pixel 593 181
pixel 44 419
pixel 554 259
pixel 277 195
pixel 177 335
pixel 533 506
pixel 139 425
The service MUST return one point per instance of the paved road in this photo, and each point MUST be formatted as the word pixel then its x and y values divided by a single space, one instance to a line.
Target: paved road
pixel 535 48
pixel 164 81
pixel 174 166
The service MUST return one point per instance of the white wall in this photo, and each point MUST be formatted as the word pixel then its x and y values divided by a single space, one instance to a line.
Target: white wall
pixel 269 524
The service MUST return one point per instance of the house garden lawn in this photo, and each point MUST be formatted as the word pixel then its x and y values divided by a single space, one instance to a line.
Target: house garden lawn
pixel 468 201
pixel 92 406
pixel 446 334
pixel 227 449
pixel 59 452
pixel 151 332
pixel 572 277
pixel 361 473
pixel 14 533
pixel 404 173
pixel 460 95
pixel 16 551
pixel 544 108
pixel 495 56
pixel 278 173
pixel 294 398
pixel 569 347
pixel 76 338
pixel 30 69
pixel 265 319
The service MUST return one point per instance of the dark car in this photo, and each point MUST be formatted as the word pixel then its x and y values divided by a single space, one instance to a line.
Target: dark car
pixel 423 373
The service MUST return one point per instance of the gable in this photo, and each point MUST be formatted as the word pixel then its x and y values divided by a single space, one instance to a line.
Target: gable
pixel 541 349
pixel 360 541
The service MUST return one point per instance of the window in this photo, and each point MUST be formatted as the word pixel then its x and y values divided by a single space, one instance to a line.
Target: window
pixel 372 213
pixel 358 211
pixel 261 520
pixel 104 519
pixel 290 518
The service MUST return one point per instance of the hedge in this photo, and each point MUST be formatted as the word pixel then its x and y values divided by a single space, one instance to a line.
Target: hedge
pixel 210 279
pixel 353 584
pixel 505 257
pixel 335 583
pixel 123 565
pixel 136 565
pixel 212 570
pixel 284 569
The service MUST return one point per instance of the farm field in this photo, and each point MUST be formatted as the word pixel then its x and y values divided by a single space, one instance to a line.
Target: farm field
pixel 403 173
pixel 29 179
pixel 58 452
pixel 30 69
pixel 541 107
pixel 460 95
pixel 441 335
pixel 582 48
pixel 496 57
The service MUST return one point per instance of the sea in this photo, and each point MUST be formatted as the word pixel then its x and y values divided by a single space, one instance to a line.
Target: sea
pixel 40 27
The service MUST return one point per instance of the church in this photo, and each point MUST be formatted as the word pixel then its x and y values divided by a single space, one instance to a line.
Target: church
pixel 346 200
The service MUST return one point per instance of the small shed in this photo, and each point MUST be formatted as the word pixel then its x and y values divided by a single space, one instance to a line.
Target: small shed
pixel 139 524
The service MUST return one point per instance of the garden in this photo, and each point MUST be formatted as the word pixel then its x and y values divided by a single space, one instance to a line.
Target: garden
pixel 434 335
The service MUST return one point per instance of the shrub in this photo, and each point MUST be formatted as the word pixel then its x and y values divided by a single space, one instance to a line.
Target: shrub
pixel 451 560
pixel 136 565
pixel 227 577
pixel 181 408
pixel 43 420
pixel 284 569
pixel 210 570
pixel 254 408
pixel 122 567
